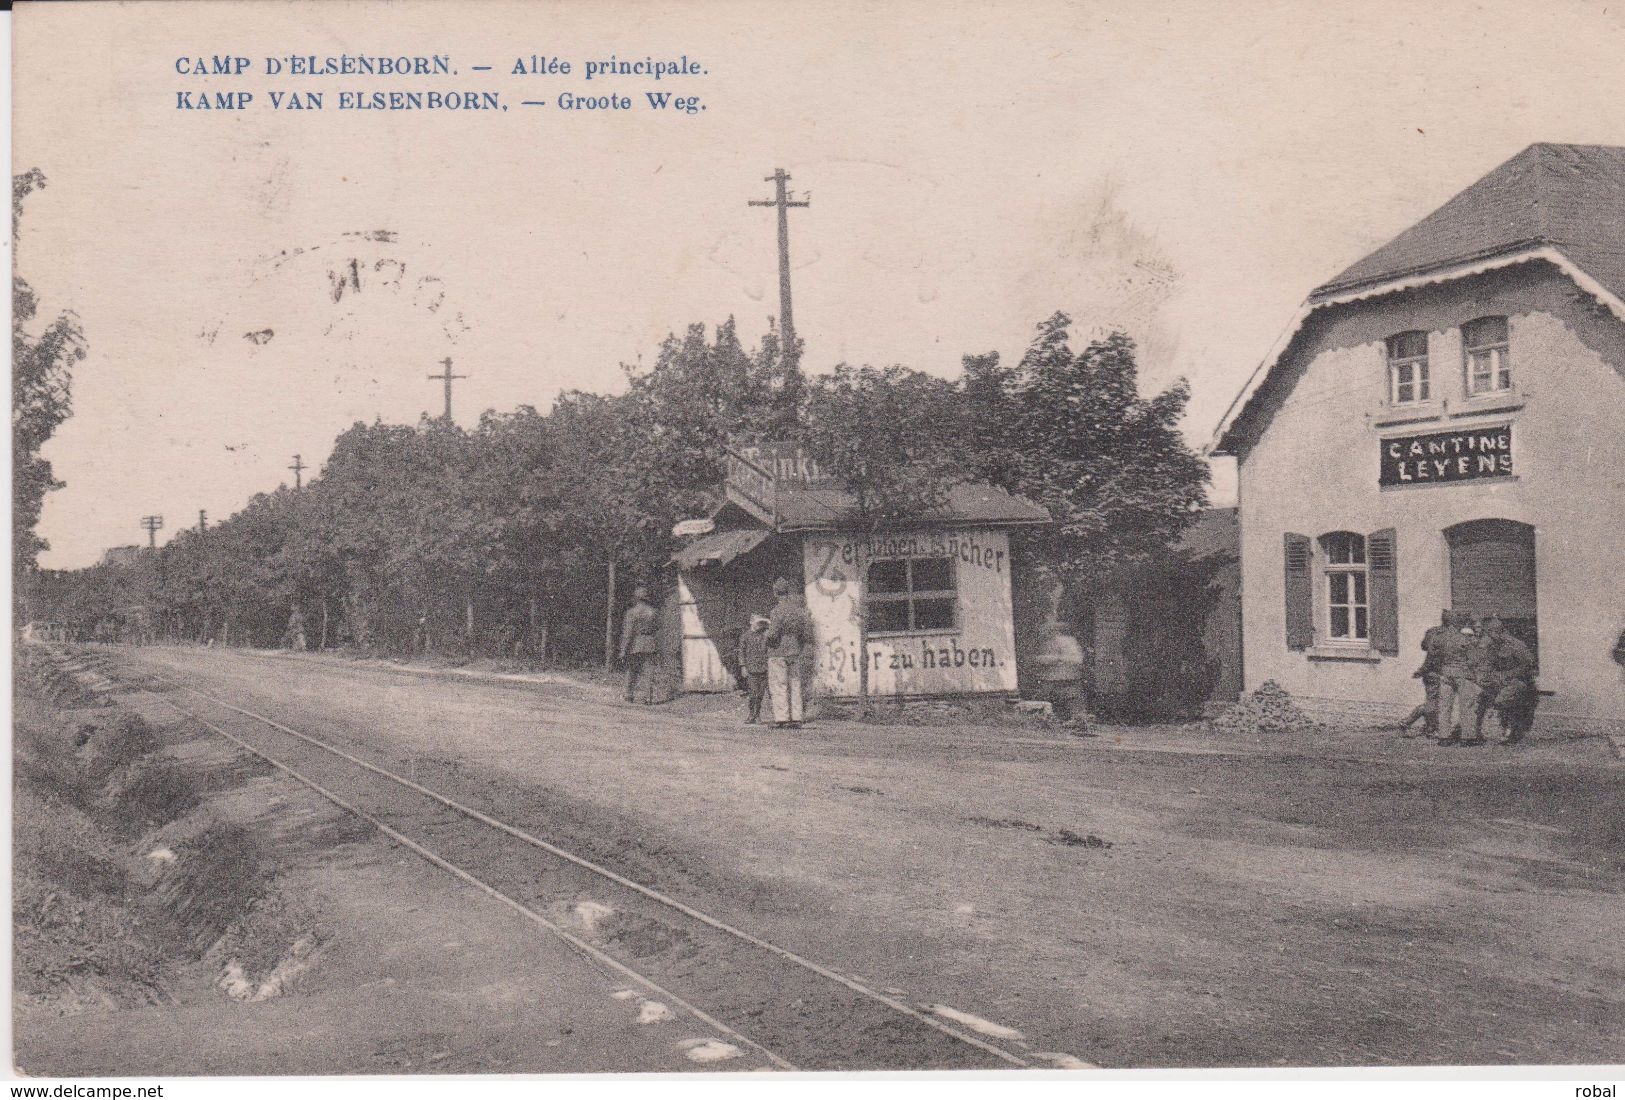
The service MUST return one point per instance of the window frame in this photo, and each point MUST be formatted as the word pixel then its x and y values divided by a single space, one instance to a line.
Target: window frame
pixel 1356 576
pixel 1499 358
pixel 1421 382
pixel 910 596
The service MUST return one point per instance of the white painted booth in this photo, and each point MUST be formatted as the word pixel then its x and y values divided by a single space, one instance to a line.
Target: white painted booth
pixel 935 592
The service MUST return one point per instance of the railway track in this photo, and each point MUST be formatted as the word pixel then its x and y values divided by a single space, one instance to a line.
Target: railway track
pixel 792 1011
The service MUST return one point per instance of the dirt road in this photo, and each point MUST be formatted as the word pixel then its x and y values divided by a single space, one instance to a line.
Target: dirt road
pixel 1148 897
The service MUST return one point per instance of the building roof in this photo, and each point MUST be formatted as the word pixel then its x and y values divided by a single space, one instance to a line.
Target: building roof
pixel 720 548
pixel 1213 531
pixel 1568 196
pixel 1564 204
pixel 816 509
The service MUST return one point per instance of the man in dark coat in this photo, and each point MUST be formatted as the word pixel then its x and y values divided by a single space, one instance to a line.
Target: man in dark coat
pixel 1509 683
pixel 640 647
pixel 789 637
pixel 753 665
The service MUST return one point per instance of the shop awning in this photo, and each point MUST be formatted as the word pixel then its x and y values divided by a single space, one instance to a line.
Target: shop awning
pixel 720 548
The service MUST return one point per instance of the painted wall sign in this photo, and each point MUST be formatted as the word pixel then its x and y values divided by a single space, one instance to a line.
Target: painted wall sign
pixel 976 655
pixel 1439 457
pixel 752 488
pixel 785 463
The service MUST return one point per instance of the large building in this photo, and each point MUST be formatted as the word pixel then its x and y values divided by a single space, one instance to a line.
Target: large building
pixel 1441 427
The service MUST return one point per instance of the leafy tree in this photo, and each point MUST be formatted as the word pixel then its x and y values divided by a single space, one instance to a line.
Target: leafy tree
pixel 41 396
pixel 1070 431
pixel 878 435
pixel 499 540
pixel 680 418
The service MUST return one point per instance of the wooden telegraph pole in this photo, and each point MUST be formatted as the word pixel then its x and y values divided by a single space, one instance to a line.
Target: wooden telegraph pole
pixel 609 623
pixel 447 377
pixel 298 469
pixel 787 325
pixel 153 525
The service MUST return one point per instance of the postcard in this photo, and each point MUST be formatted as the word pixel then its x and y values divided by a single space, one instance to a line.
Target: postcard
pixel 1057 538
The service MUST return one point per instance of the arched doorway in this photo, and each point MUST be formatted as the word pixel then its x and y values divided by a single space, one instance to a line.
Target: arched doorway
pixel 1492 572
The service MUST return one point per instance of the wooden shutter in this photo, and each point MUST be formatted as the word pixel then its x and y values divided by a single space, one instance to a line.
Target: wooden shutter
pixel 1300 592
pixel 1382 563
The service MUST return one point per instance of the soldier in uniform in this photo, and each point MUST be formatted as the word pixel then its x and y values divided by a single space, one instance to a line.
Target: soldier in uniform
pixel 789 633
pixel 640 646
pixel 753 666
pixel 1429 675
pixel 1458 690
pixel 1509 683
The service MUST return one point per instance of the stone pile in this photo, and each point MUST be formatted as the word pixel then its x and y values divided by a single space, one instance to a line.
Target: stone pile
pixel 1269 709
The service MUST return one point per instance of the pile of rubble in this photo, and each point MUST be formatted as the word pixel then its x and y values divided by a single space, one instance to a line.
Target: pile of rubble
pixel 1270 709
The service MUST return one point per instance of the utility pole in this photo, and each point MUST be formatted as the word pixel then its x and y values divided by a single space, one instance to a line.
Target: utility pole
pixel 153 525
pixel 447 377
pixel 298 469
pixel 609 622
pixel 202 521
pixel 781 200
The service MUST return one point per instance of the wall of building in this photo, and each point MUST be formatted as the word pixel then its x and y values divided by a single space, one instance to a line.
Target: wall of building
pixel 976 657
pixel 1314 469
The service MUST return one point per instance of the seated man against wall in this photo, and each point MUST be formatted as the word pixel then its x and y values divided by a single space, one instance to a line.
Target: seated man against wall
pixel 1508 683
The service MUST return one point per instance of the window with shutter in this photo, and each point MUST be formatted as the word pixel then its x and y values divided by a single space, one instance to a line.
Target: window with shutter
pixel 1299 588
pixel 1382 553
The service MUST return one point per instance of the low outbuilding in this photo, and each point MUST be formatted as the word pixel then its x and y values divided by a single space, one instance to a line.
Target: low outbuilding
pixel 935 589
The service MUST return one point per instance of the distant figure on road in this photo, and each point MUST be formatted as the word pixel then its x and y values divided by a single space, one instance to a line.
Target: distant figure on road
pixel 1509 683
pixel 640 647
pixel 294 636
pixel 1060 668
pixel 789 632
pixel 1429 675
pixel 753 663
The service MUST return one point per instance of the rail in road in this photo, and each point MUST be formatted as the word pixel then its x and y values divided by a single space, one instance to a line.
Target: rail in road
pixel 793 1011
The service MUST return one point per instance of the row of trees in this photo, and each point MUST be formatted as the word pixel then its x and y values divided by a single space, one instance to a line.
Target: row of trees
pixel 41 397
pixel 500 540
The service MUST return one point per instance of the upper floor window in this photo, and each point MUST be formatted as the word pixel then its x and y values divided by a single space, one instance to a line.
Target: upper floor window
pixel 1489 365
pixel 1408 368
pixel 1348 603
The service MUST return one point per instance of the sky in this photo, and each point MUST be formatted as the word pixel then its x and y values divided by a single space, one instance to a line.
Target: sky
pixel 253 282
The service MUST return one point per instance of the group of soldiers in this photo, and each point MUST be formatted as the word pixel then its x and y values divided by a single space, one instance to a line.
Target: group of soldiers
pixel 771 653
pixel 1470 668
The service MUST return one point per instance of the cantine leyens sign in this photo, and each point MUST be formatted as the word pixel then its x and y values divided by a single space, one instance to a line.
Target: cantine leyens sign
pixel 1447 456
